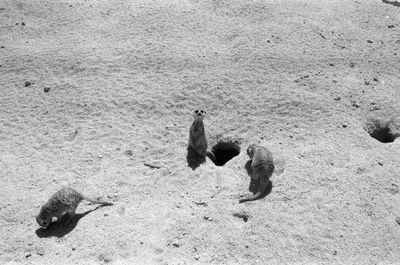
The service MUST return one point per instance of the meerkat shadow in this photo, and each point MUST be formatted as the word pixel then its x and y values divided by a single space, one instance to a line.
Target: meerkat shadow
pixel 193 159
pixel 61 229
pixel 393 3
pixel 254 185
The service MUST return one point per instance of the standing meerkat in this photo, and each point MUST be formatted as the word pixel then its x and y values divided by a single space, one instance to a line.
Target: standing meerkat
pixel 64 201
pixel 262 167
pixel 197 136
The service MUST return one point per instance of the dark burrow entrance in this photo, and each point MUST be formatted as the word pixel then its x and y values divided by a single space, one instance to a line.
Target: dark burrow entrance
pixel 224 151
pixel 381 131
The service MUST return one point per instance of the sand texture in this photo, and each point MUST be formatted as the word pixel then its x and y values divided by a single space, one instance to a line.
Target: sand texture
pixel 98 95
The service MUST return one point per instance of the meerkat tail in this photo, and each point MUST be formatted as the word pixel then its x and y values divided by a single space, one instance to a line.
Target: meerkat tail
pixel 96 201
pixel 263 187
pixel 252 198
pixel 211 156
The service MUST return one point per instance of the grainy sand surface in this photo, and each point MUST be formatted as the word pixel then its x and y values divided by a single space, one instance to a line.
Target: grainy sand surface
pixel 307 79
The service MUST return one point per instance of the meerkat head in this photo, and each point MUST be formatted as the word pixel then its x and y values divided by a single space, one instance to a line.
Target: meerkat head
pixel 250 150
pixel 44 218
pixel 199 113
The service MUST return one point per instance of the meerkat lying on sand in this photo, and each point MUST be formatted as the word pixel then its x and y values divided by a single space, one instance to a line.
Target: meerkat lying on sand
pixel 197 136
pixel 64 201
pixel 262 167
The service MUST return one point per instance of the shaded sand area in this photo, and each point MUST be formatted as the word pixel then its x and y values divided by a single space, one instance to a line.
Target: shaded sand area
pixel 92 90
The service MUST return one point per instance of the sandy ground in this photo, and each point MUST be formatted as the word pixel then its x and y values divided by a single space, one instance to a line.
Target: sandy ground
pixel 306 79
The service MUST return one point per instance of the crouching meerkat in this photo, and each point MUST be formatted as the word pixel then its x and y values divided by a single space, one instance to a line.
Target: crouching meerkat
pixel 64 201
pixel 262 167
pixel 197 136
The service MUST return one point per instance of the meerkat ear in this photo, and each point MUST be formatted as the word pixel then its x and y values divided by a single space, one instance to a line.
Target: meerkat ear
pixel 44 208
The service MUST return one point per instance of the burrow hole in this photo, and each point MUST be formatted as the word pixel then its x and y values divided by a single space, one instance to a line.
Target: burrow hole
pixel 381 131
pixel 225 151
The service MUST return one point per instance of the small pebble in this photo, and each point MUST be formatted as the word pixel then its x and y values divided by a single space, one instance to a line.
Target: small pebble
pixel 370 41
pixel 398 219
pixel 46 89
pixel 352 65
pixel 23 23
pixel 337 98
pixel 376 79
pixel 129 153
pixel 201 203
pixel 207 217
pixel 391 26
pixel 344 125
pixel 380 163
pixel 367 83
pixel 176 244
pixel 2 46
pixel 374 108
pixel 331 64
pixel 27 83
pixel 28 255
pixel 354 104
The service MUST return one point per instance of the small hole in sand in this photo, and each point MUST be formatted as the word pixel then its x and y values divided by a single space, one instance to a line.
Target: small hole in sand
pixel 225 151
pixel 381 131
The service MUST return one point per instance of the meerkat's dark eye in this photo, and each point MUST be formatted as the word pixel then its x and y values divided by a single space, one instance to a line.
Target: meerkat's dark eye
pixel 196 111
pixel 203 112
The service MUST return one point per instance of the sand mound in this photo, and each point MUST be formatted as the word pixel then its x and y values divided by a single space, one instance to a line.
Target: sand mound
pixel 98 95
